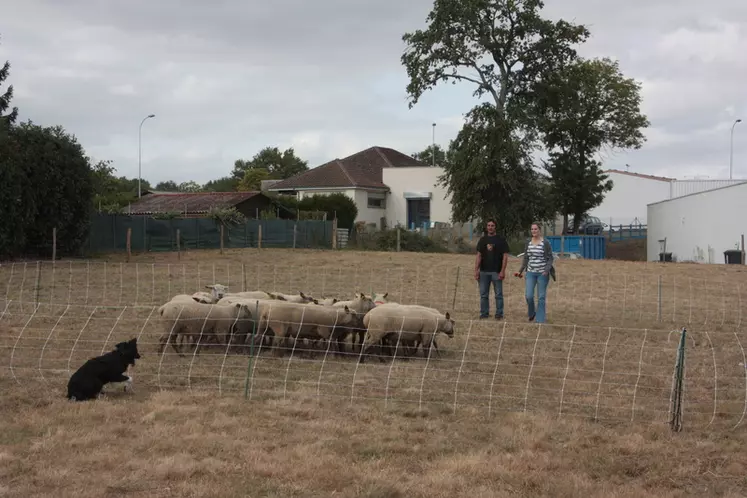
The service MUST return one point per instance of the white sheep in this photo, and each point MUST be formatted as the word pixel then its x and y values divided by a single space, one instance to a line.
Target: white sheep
pixel 410 344
pixel 217 291
pixel 291 298
pixel 198 320
pixel 303 321
pixel 410 323
pixel 249 295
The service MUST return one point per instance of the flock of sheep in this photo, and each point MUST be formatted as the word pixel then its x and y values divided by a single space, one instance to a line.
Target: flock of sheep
pixel 273 319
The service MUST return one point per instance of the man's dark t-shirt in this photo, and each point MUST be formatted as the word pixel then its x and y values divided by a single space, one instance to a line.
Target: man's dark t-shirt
pixel 492 248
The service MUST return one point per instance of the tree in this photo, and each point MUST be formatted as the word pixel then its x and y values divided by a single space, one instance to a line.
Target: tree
pixel 337 204
pixel 492 176
pixel 224 184
pixel 50 185
pixel 253 179
pixel 112 193
pixel 7 120
pixel 506 43
pixel 507 48
pixel 190 186
pixel 584 108
pixel 442 156
pixel 279 165
pixel 167 186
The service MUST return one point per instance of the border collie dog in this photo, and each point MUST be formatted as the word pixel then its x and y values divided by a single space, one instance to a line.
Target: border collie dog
pixel 88 381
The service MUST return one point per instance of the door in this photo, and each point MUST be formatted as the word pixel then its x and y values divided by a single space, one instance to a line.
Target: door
pixel 418 212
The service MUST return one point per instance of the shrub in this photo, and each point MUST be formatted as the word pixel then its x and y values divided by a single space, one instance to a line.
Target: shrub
pixel 333 204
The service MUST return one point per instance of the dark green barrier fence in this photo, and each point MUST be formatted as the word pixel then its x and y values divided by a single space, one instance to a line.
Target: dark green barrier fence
pixel 109 234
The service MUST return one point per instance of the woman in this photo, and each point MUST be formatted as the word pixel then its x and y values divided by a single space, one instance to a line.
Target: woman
pixel 538 263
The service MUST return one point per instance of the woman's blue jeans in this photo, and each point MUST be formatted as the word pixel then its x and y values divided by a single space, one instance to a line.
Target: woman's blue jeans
pixel 536 279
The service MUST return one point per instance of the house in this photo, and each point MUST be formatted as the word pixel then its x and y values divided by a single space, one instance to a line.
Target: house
pixel 626 203
pixel 197 204
pixel 384 184
pixel 699 226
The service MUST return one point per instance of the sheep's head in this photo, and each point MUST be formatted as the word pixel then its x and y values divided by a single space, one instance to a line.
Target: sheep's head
pixel 448 325
pixel 379 298
pixel 218 290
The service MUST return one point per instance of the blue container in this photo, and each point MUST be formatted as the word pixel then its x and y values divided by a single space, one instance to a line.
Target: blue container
pixel 586 246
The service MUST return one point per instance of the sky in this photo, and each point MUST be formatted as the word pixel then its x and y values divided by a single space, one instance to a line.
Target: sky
pixel 226 78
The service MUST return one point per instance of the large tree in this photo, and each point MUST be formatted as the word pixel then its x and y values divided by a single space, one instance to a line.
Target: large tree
pixel 504 48
pixel 47 183
pixel 6 118
pixel 279 165
pixel 492 176
pixel 580 111
pixel 224 184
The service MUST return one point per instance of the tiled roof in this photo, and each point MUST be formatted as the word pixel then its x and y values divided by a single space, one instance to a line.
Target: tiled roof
pixel 639 175
pixel 362 169
pixel 192 202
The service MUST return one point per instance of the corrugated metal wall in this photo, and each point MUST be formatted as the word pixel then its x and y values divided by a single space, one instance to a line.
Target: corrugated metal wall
pixel 678 188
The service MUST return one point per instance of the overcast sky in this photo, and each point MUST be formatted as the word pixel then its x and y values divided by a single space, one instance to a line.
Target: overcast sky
pixel 228 77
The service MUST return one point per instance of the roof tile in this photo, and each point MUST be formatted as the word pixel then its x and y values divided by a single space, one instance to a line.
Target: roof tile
pixel 191 202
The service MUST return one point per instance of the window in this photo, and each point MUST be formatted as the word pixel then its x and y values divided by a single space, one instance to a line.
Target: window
pixel 377 201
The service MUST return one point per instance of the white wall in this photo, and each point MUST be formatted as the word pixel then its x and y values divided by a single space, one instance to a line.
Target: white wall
pixel 687 187
pixel 628 199
pixel 693 223
pixel 415 179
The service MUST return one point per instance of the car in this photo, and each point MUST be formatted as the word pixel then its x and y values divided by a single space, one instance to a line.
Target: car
pixel 590 225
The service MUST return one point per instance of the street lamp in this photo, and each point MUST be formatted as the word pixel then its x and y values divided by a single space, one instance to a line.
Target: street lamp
pixel 433 146
pixel 731 147
pixel 140 152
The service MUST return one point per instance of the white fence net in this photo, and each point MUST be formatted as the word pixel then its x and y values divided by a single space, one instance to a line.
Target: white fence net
pixel 605 367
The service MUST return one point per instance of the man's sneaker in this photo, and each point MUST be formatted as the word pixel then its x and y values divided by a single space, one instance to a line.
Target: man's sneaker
pixel 499 317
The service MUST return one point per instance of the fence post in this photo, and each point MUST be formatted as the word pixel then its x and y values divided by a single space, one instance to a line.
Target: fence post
pixel 679 375
pixel 128 243
pixel 259 237
pixel 334 233
pixel 659 299
pixel 562 245
pixel 178 244
pixel 456 287
pixel 54 244
pixel 399 235
pixel 221 238
pixel 38 283
pixel 243 281
pixel 294 235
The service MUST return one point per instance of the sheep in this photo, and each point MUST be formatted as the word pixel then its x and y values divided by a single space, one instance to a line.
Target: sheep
pixel 249 295
pixel 362 305
pixel 183 298
pixel 300 298
pixel 326 301
pixel 217 292
pixel 198 320
pixel 409 322
pixel 379 298
pixel 303 321
pixel 405 342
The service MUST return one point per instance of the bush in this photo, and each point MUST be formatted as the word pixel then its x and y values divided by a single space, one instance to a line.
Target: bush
pixel 333 204
pixel 386 240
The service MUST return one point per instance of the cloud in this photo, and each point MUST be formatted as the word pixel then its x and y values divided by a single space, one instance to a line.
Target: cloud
pixel 226 78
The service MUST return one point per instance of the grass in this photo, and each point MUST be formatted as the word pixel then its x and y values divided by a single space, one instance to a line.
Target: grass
pixel 577 406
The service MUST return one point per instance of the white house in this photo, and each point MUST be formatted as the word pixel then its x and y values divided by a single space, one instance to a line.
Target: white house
pixel 699 226
pixel 626 203
pixel 383 182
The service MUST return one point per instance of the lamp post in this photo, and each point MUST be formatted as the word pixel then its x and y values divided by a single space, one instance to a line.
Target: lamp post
pixel 433 146
pixel 731 147
pixel 140 152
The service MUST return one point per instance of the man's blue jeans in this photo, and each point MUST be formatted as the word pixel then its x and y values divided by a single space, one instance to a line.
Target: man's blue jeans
pixel 540 281
pixel 485 279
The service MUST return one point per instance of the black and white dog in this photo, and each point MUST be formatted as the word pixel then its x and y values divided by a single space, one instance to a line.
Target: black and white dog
pixel 88 381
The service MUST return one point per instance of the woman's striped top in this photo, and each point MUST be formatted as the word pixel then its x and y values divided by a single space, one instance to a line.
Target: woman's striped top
pixel 536 257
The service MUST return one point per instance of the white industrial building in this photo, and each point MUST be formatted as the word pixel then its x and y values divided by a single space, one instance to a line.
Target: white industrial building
pixel 626 204
pixel 698 226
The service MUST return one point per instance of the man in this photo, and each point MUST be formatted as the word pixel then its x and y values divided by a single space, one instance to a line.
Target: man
pixel 490 266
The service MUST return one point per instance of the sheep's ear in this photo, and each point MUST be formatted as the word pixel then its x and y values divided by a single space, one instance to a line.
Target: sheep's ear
pixel 315 301
pixel 448 317
pixel 363 296
pixel 301 294
pixel 385 295
pixel 210 287
pixel 347 310
pixel 335 300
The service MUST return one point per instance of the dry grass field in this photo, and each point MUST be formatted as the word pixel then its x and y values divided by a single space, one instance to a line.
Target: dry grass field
pixel 577 406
